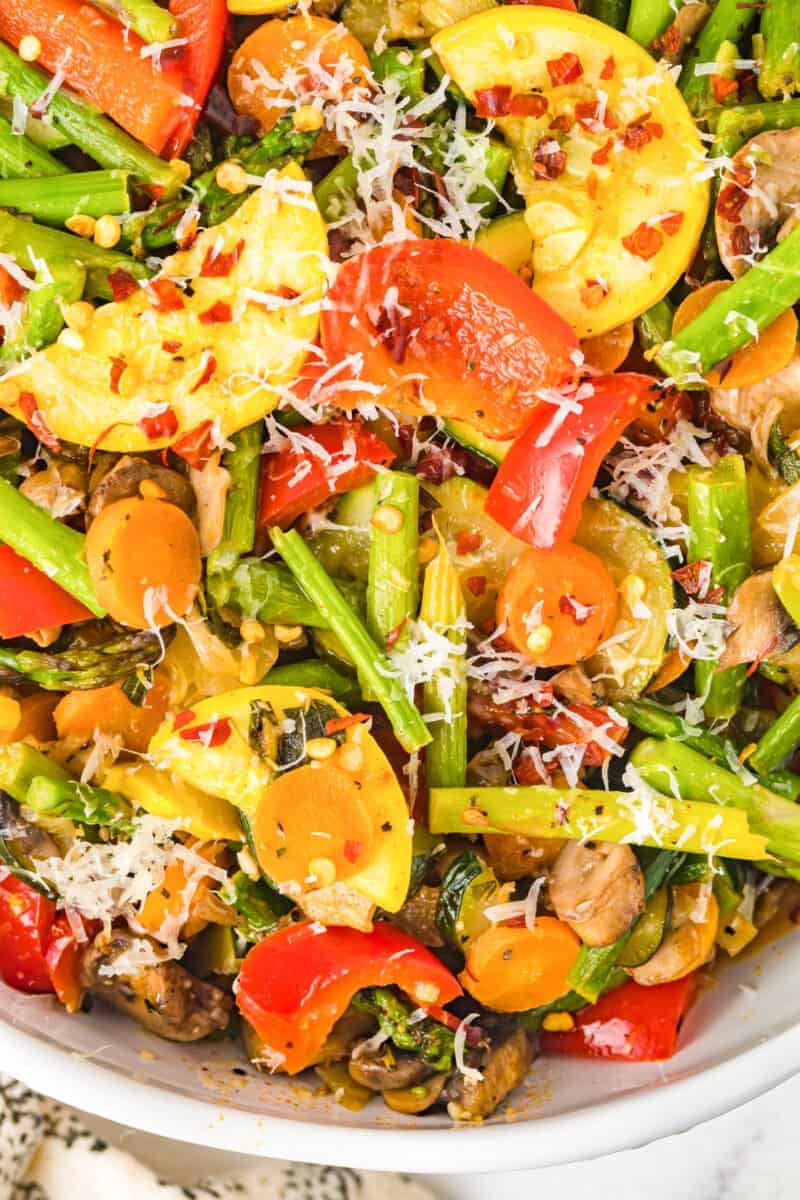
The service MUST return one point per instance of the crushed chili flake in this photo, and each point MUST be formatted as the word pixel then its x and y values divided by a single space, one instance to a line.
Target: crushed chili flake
pixel 33 416
pixel 565 69
pixel 211 734
pixel 393 635
pixel 637 136
pixel 476 584
pixel 493 101
pixel 590 115
pixel 219 313
pixel 593 293
pixel 723 87
pixel 217 266
pixel 165 295
pixel 693 577
pixel 549 160
pixel 184 717
pixel 561 124
pixel 609 66
pixel 534 105
pixel 338 724
pixel 117 367
pixel 731 200
pixel 670 223
pixel 196 445
pixel 645 241
pixel 122 284
pixel 171 347
pixel 466 542
pixel 571 607
pixel 601 156
pixel 353 850
pixel 207 373
pixel 741 240
pixel 162 425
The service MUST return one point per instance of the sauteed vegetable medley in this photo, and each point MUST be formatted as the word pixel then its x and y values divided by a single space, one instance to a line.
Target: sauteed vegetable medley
pixel 399 490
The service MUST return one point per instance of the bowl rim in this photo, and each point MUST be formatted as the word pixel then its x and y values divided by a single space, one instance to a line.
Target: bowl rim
pixel 622 1122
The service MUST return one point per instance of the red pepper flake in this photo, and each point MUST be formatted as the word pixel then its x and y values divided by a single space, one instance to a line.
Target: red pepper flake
pixel 196 445
pixel 211 734
pixel 477 584
pixel 393 636
pixel 162 425
pixel 528 106
pixel 217 266
pixel 730 202
pixel 118 365
pixel 645 241
pixel 655 129
pixel 590 115
pixel 549 160
pixel 715 595
pixel 171 347
pixel 561 124
pixel 571 607
pixel 467 542
pixel 741 241
pixel 493 101
pixel 565 69
pixel 184 717
pixel 671 223
pixel 338 724
pixel 33 416
pixel 694 577
pixel 208 371
pixel 723 87
pixel 122 284
pixel 593 293
pixel 609 66
pixel 165 295
pixel 637 136
pixel 353 850
pixel 219 314
pixel 601 156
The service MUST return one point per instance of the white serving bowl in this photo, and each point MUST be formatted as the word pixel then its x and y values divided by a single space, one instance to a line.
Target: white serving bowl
pixel 739 1040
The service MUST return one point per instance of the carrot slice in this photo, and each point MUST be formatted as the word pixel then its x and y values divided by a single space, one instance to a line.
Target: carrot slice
pixel 512 968
pixel 144 560
pixel 772 352
pixel 309 47
pixel 109 710
pixel 102 62
pixel 557 605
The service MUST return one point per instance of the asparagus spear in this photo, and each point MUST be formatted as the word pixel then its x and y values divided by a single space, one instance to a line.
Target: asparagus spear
pixel 610 12
pixel 445 696
pixel 266 590
pixel 259 906
pixel 654 327
pixel 719 533
pixel 39 130
pixel 54 200
pixel 405 66
pixel 314 673
pixel 733 319
pixel 779 741
pixel 779 45
pixel 678 768
pixel 730 20
pixel 648 19
pixel 98 137
pixel 78 669
pixel 144 17
pixel 373 667
pixel 81 803
pixel 60 282
pixel 243 463
pixel 432 1041
pixel 26 241
pixel 734 126
pixel 393 579
pixel 52 547
pixel 21 158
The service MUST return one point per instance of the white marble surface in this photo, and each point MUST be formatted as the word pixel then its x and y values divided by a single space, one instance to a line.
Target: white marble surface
pixel 750 1154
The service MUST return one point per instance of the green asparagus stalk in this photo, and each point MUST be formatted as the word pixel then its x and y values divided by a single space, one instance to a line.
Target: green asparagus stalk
pixel 393 579
pixel 729 22
pixel 98 137
pixel 59 282
pixel 681 770
pixel 27 241
pixel 314 673
pixel 335 191
pixel 38 129
pixel 267 591
pixel 779 49
pixel 53 201
pixel 259 906
pixel 445 697
pixel 719 533
pixel 610 12
pixel 654 327
pixel 540 811
pixel 778 742
pixel 658 721
pixel 147 20
pixel 79 669
pixel 429 1039
pixel 373 667
pixel 51 547
pixel 734 126
pixel 731 320
pixel 405 66
pixel 21 158
pixel 81 803
pixel 648 19
pixel 243 464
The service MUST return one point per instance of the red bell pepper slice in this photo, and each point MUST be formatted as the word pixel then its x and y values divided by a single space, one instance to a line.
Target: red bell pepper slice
pixel 63 959
pixel 295 984
pixel 634 1023
pixel 26 919
pixel 296 480
pixel 205 24
pixel 30 600
pixel 549 471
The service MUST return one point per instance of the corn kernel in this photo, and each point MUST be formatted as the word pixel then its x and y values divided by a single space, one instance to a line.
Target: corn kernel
pixel 10 714
pixel 388 518
pixel 428 550
pixel 323 870
pixel 79 315
pixel 249 671
pixel 107 231
pixel 150 490
pixel 286 634
pixel 558 1022
pixel 308 119
pixel 81 224
pixel 29 48
pixel 232 178
pixel 539 639
pixel 320 748
pixel 252 631
pixel 633 590
pixel 70 339
pixel 350 757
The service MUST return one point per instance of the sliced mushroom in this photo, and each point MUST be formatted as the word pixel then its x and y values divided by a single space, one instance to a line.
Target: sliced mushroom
pixel 60 489
pixel 761 625
pixel 512 856
pixel 758 200
pixel 125 478
pixel 417 917
pixel 573 684
pixel 505 1064
pixel 488 769
pixel 162 997
pixel 412 1101
pixel 690 941
pixel 598 889
pixel 382 1072
pixel 755 409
